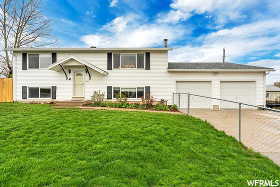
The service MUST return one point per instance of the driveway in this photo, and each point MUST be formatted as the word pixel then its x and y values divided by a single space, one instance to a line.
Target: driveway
pixel 260 130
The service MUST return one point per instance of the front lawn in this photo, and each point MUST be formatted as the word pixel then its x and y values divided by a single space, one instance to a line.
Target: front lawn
pixel 42 146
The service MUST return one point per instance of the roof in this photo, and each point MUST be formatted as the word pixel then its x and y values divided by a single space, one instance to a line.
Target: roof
pixel 272 88
pixel 56 67
pixel 213 66
pixel 85 49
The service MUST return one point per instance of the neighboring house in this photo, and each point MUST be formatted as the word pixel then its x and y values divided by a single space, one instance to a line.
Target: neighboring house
pixel 272 93
pixel 61 74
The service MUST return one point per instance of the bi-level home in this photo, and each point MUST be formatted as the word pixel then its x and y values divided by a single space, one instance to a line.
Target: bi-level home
pixel 64 74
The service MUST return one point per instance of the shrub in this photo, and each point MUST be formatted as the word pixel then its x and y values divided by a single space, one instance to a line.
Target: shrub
pixel 122 98
pixel 98 96
pixel 161 107
pixel 148 102
pixel 173 108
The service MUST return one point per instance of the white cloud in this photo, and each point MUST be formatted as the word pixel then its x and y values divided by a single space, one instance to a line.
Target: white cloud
pixel 129 31
pixel 223 9
pixel 113 3
pixel 249 39
pixel 272 76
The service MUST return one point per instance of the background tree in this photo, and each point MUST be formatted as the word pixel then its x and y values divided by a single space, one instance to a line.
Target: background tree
pixel 22 24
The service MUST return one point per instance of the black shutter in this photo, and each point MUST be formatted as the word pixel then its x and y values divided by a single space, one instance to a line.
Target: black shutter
pixel 24 92
pixel 53 92
pixel 140 60
pixel 109 61
pixel 116 60
pixel 24 61
pixel 54 58
pixel 147 92
pixel 109 92
pixel 147 65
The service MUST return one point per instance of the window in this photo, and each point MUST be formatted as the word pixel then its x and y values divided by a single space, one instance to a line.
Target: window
pixel 128 60
pixel 116 92
pixel 128 92
pixel 36 92
pixel 36 61
pixel 45 93
pixel 33 92
pixel 140 92
pixel 33 61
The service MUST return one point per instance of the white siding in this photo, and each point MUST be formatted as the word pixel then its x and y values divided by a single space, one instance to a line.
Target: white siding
pixel 162 82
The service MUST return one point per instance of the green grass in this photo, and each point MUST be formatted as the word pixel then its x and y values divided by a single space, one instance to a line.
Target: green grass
pixel 41 146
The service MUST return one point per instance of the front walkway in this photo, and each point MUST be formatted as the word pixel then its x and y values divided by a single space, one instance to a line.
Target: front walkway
pixel 260 130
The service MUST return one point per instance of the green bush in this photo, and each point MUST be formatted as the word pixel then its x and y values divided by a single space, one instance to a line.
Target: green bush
pixel 161 107
pixel 145 106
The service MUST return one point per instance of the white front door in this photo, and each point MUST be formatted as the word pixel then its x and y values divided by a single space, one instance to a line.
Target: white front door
pixel 78 84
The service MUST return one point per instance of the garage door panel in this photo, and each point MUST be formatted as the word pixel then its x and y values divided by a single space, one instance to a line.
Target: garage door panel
pixel 194 87
pixel 244 92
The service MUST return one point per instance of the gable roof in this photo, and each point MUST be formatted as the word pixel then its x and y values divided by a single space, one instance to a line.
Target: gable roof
pixel 272 88
pixel 213 66
pixel 56 65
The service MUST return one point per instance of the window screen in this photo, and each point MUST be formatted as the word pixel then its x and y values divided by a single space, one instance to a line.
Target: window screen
pixel 45 61
pixel 129 92
pixel 128 61
pixel 33 92
pixel 140 92
pixel 33 61
pixel 45 93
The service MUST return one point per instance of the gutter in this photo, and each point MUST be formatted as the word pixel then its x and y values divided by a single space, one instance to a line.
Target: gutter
pixel 220 70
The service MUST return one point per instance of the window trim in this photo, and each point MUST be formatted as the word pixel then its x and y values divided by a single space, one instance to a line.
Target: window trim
pixel 129 88
pixel 136 65
pixel 43 87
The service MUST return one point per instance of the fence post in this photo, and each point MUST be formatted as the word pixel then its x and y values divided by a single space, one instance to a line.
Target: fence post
pixel 189 99
pixel 179 100
pixel 239 122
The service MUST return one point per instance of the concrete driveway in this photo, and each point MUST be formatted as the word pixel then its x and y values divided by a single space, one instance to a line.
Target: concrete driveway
pixel 260 130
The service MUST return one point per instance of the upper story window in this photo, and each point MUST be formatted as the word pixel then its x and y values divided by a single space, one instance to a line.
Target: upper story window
pixel 36 61
pixel 128 61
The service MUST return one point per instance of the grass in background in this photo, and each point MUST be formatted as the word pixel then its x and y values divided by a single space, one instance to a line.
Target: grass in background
pixel 43 146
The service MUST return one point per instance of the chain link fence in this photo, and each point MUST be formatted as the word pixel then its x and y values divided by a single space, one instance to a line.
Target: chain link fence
pixel 257 127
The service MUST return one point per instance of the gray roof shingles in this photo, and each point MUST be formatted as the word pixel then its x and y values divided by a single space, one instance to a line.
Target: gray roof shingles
pixel 212 65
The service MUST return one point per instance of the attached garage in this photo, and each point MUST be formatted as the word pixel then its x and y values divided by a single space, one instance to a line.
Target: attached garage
pixel 195 87
pixel 239 91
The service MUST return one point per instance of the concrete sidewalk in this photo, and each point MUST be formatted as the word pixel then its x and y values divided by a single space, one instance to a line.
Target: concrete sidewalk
pixel 260 130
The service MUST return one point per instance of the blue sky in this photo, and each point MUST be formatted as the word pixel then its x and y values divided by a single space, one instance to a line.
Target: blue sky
pixel 197 29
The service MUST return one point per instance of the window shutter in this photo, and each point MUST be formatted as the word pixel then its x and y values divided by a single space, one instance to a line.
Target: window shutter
pixel 147 65
pixel 116 60
pixel 54 58
pixel 140 60
pixel 109 92
pixel 53 92
pixel 24 92
pixel 147 92
pixel 109 61
pixel 24 61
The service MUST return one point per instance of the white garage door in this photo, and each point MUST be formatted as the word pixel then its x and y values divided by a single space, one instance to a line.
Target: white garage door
pixel 244 92
pixel 194 87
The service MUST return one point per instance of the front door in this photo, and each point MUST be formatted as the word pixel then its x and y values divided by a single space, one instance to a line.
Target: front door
pixel 78 84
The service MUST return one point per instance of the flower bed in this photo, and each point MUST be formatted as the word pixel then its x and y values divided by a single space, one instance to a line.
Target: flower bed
pixel 157 107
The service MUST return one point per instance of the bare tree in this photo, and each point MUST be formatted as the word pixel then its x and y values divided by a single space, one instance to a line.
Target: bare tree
pixel 22 24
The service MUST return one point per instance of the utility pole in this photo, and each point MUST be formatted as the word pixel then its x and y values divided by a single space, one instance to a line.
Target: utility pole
pixel 224 55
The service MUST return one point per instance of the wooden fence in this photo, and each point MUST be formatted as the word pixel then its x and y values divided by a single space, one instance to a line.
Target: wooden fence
pixel 6 89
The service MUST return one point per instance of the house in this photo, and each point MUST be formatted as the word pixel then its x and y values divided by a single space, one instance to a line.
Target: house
pixel 272 93
pixel 64 74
